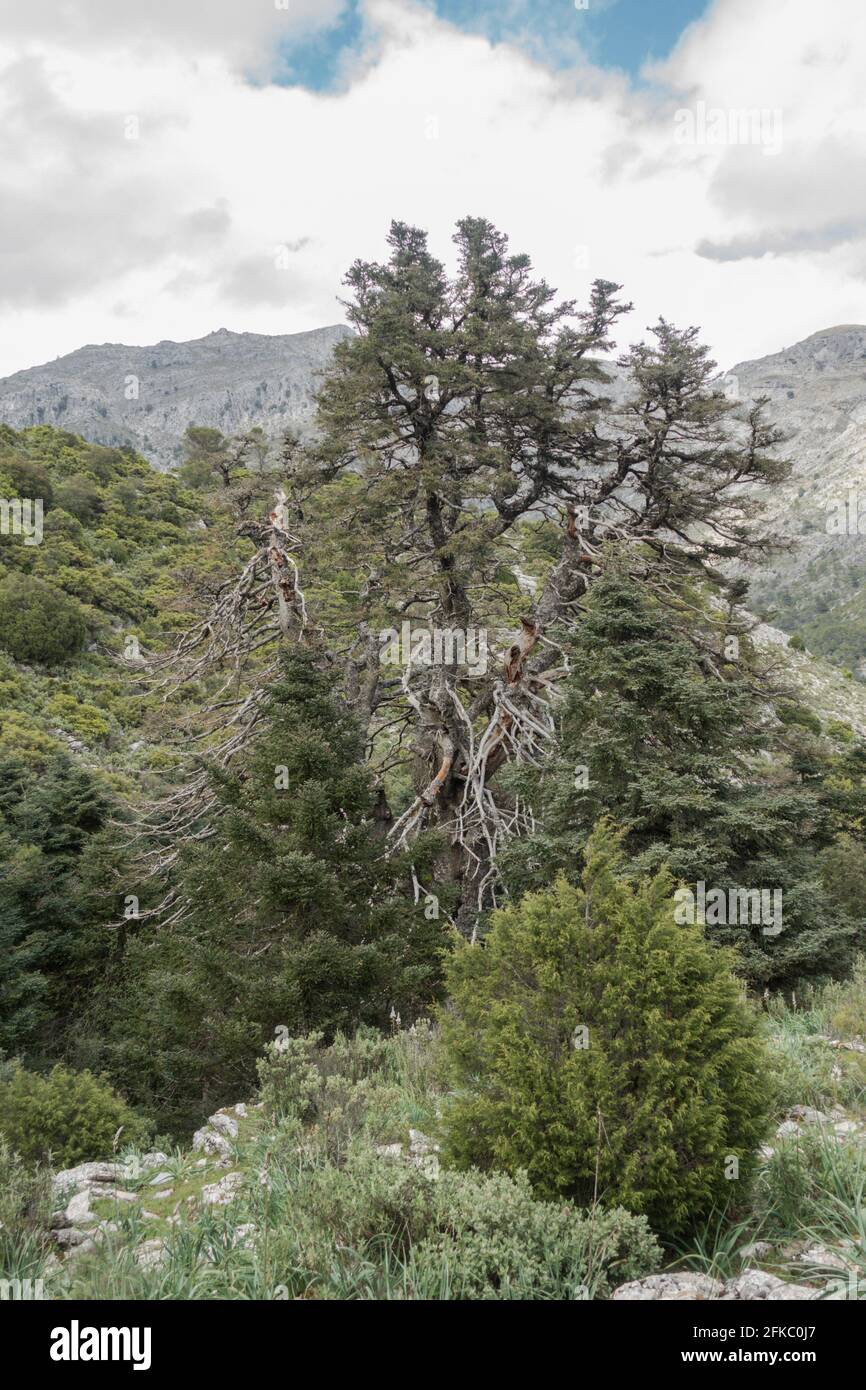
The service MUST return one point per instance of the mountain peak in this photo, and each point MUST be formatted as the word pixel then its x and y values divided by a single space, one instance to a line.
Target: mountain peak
pixel 839 329
pixel 146 396
pixel 842 346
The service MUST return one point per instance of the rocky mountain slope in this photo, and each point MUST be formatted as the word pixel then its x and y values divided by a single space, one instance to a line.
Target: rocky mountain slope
pixel 147 396
pixel 817 392
pixel 833 695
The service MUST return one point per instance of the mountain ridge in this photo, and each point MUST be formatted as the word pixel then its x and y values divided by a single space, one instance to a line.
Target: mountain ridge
pixel 145 396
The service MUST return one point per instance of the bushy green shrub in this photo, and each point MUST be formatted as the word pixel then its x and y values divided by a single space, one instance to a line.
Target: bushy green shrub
pixel 293 1071
pixel 605 1049
pixel 474 1236
pixel 81 718
pixel 80 497
pixel 28 478
pixel 39 622
pixel 497 1241
pixel 25 1205
pixel 342 1091
pixel 66 1117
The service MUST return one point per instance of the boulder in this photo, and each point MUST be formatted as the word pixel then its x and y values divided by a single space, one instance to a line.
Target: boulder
pixel 846 1127
pixel 69 1236
pixel 667 1287
pixel 70 1179
pixel 155 1159
pixel 752 1284
pixel 822 1257
pixel 758 1250
pixel 420 1145
pixel 808 1115
pixel 224 1124
pixel 219 1194
pixel 78 1212
pixel 756 1284
pixel 389 1150
pixel 206 1140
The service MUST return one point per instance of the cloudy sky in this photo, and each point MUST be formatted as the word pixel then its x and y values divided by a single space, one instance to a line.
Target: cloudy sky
pixel 171 167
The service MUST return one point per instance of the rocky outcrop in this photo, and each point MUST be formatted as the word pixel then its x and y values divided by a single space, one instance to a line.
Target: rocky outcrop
pixel 220 1194
pixel 78 1227
pixel 834 1126
pixel 751 1285
pixel 215 1137
pixel 422 1153
pixel 74 1179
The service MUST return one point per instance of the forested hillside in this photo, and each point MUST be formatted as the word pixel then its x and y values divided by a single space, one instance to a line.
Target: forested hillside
pixel 441 746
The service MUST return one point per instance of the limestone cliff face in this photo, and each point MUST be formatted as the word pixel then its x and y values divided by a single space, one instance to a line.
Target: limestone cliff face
pixel 817 391
pixel 147 396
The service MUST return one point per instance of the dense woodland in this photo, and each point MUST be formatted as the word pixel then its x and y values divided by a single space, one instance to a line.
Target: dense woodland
pixel 228 812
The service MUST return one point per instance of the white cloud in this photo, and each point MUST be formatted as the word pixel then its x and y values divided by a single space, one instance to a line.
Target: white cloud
pixel 180 231
pixel 246 32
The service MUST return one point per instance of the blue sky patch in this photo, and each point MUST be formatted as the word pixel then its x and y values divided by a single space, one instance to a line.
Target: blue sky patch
pixel 611 33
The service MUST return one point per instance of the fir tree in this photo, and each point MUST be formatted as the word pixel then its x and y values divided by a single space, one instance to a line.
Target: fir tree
pixel 470 404
pixel 296 920
pixel 677 738
pixel 48 816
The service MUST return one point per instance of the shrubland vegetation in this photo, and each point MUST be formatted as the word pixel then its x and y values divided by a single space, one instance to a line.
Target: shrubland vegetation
pixel 823 608
pixel 340 1196
pixel 226 815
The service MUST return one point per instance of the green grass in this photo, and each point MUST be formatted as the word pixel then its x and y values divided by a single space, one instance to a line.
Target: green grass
pixel 330 1219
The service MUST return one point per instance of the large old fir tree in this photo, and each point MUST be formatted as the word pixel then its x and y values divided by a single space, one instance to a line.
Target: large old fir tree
pixel 467 423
